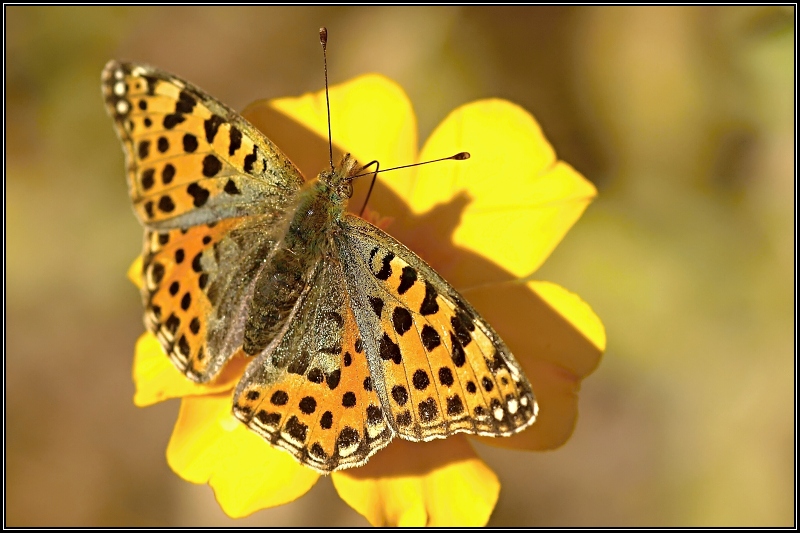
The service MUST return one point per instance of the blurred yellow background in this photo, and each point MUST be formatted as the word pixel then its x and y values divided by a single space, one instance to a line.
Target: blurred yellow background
pixel 682 116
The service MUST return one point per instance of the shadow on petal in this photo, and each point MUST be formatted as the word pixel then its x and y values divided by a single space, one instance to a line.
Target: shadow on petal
pixel 437 483
pixel 556 348
pixel 307 150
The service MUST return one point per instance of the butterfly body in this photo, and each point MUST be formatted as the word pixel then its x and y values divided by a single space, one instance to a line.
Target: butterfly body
pixel 307 237
pixel 352 338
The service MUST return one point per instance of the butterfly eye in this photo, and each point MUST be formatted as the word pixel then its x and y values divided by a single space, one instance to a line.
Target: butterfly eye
pixel 346 190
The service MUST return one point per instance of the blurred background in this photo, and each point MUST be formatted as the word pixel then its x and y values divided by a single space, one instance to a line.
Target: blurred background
pixel 682 116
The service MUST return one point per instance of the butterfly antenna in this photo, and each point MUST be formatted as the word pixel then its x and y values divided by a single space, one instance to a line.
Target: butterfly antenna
pixel 371 183
pixel 461 156
pixel 323 39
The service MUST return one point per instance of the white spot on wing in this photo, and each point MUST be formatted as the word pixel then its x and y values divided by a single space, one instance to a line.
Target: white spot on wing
pixel 291 439
pixel 498 413
pixel 122 107
pixel 344 451
pixel 374 431
pixel 119 88
pixel 512 406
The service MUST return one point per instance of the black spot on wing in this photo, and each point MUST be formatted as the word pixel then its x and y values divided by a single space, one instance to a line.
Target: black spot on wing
pixel 429 304
pixel 198 194
pixel 148 179
pixel 458 355
pixel 401 320
pixel 144 149
pixel 446 376
pixel 231 188
pixel 454 405
pixel 377 305
pixel 170 121
pixel 250 160
pixel 168 173
pixel 211 126
pixel 407 279
pixel 211 166
pixel 349 399
pixel 236 140
pixel 185 103
pixel 428 410
pixel 166 204
pixel 326 420
pixel 163 144
pixel 420 380
pixel 374 415
pixel 296 429
pixel 386 268
pixel 279 397
pixel 430 337
pixel 333 379
pixel 389 350
pixel 152 82
pixel 460 330
pixel 190 143
pixel 399 395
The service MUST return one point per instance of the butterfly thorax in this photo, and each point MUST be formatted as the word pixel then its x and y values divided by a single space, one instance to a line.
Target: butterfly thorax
pixel 292 263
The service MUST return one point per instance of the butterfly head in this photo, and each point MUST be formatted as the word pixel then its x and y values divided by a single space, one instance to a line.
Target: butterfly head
pixel 338 181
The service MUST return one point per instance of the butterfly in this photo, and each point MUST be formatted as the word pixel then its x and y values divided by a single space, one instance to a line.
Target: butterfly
pixel 352 339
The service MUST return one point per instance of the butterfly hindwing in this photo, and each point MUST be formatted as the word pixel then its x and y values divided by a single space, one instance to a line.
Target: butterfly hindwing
pixel 196 288
pixel 310 392
pixel 191 160
pixel 439 367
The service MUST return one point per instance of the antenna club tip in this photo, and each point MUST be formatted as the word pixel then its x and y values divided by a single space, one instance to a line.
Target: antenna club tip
pixel 323 35
pixel 461 156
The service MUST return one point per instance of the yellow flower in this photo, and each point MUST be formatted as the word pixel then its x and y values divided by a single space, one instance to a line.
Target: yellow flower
pixel 485 224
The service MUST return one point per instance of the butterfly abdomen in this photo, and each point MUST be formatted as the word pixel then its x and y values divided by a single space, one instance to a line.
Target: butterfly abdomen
pixel 276 290
pixel 289 267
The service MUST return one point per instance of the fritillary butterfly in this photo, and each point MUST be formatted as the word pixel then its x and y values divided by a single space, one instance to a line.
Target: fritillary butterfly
pixel 353 338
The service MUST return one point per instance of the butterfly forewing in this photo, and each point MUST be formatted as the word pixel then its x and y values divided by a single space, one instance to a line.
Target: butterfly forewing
pixel 191 160
pixel 311 392
pixel 442 369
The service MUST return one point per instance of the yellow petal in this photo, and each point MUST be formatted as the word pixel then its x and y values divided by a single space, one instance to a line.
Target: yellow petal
pixel 135 272
pixel 437 483
pixel 209 445
pixel 520 200
pixel 157 379
pixel 575 311
pixel 557 339
pixel 371 117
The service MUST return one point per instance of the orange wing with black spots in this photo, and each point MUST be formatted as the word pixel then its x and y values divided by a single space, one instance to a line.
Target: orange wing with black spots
pixel 197 284
pixel 311 393
pixel 191 160
pixel 208 188
pixel 438 367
